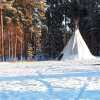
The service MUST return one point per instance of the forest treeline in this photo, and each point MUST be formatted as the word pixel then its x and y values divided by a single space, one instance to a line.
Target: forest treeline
pixel 23 23
pixel 34 27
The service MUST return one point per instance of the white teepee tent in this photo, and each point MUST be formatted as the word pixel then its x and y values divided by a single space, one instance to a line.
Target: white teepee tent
pixel 76 48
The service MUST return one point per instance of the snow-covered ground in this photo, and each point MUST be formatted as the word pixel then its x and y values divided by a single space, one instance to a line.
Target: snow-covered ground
pixel 50 76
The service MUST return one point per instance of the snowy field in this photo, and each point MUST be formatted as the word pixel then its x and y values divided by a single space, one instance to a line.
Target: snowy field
pixel 50 80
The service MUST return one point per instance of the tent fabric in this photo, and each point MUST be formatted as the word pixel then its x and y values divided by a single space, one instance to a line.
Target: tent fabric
pixel 76 48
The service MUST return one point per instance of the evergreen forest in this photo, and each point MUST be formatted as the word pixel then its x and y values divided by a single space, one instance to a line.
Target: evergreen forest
pixel 40 29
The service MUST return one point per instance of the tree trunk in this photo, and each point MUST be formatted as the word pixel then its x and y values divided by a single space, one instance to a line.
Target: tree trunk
pixel 2 35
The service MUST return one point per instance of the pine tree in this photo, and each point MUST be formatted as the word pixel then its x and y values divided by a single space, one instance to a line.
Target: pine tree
pixel 54 39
